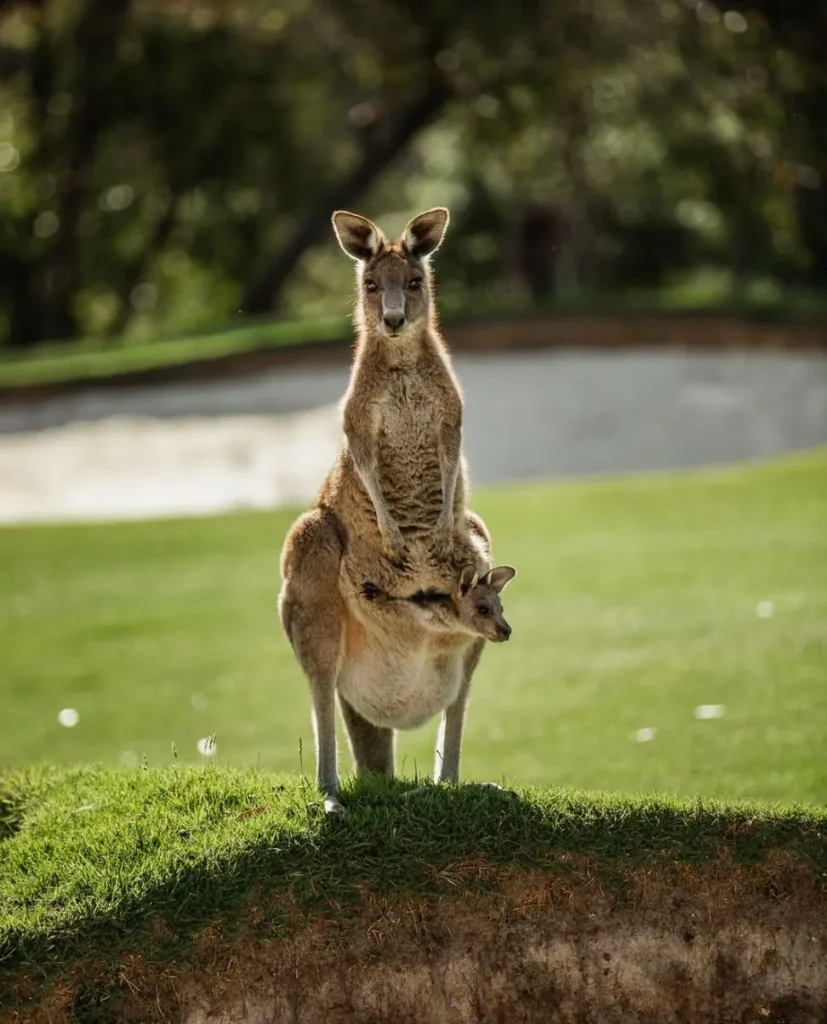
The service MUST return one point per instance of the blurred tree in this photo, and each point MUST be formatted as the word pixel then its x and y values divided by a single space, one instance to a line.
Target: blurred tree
pixel 797 72
pixel 70 89
pixel 172 162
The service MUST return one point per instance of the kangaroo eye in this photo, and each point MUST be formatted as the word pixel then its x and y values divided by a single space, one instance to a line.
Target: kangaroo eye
pixel 371 286
pixel 483 609
pixel 415 284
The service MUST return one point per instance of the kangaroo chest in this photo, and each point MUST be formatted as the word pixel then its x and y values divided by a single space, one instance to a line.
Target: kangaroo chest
pixel 394 688
pixel 411 409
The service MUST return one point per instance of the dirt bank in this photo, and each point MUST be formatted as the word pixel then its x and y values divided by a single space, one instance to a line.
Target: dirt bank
pixel 718 942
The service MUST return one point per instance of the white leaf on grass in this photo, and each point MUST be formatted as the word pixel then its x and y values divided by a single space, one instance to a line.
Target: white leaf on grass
pixel 710 711
pixel 68 717
pixel 206 746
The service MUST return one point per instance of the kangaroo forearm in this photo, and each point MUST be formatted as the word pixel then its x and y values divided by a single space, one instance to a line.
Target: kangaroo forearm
pixel 370 481
pixel 450 442
pixel 365 463
pixel 450 473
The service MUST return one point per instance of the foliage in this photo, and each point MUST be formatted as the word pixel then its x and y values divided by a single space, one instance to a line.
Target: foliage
pixel 166 165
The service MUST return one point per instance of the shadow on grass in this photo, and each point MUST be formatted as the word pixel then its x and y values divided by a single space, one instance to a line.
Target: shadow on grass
pixel 274 863
pixel 11 813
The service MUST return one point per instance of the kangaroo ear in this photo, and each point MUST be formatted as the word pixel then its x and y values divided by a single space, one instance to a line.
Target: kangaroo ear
pixel 467 581
pixel 360 238
pixel 499 578
pixel 424 233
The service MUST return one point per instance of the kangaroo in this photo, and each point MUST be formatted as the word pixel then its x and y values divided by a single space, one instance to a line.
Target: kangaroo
pixel 399 479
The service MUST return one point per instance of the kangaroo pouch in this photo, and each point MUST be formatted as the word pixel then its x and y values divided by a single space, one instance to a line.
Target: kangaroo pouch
pixel 396 689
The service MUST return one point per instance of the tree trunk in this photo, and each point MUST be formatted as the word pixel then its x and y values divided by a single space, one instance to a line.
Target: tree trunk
pixel 403 125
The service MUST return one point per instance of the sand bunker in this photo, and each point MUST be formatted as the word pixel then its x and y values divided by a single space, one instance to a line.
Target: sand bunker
pixel 267 441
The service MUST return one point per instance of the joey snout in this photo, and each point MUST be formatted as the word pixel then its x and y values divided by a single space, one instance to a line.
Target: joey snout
pixel 503 632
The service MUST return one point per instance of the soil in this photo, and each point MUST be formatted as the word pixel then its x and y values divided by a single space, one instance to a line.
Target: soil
pixel 719 943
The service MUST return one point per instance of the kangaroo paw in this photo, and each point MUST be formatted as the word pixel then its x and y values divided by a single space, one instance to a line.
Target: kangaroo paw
pixel 370 591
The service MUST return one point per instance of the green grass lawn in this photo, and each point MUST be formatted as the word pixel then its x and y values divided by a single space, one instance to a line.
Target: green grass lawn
pixel 636 601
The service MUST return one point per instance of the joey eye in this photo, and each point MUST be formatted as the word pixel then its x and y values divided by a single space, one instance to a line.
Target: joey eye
pixel 483 609
pixel 415 284
pixel 371 286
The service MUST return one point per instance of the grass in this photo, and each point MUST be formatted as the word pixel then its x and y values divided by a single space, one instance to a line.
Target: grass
pixel 107 860
pixel 636 601
pixel 98 358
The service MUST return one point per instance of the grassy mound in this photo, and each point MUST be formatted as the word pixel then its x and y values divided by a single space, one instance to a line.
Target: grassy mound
pixel 637 601
pixel 99 866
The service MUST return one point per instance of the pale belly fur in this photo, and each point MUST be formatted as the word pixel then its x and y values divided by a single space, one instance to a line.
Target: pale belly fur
pixel 401 691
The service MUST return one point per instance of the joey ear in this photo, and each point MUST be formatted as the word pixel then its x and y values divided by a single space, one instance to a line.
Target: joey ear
pixel 467 581
pixel 360 238
pixel 423 235
pixel 499 577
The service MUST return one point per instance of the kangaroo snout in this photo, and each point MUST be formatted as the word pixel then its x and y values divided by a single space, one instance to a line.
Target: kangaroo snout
pixel 393 320
pixel 503 633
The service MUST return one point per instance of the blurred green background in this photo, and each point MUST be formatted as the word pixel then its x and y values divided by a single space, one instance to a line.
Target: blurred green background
pixel 167 165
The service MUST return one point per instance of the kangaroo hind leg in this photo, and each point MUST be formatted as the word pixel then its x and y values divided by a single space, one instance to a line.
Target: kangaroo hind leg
pixel 373 746
pixel 313 616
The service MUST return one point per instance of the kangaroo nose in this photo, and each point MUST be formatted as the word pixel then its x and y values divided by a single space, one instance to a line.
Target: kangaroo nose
pixel 505 632
pixel 394 320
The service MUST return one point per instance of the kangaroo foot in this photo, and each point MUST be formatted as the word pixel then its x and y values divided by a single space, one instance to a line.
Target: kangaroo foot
pixel 332 808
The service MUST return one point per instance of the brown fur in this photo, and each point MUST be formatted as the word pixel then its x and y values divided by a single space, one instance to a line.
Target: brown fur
pixel 397 489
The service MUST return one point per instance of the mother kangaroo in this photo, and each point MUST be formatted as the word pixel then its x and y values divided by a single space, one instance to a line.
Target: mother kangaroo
pixel 399 480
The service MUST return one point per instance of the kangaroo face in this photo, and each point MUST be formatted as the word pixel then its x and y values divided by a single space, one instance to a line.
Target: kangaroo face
pixel 394 283
pixel 395 292
pixel 478 603
pixel 482 613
